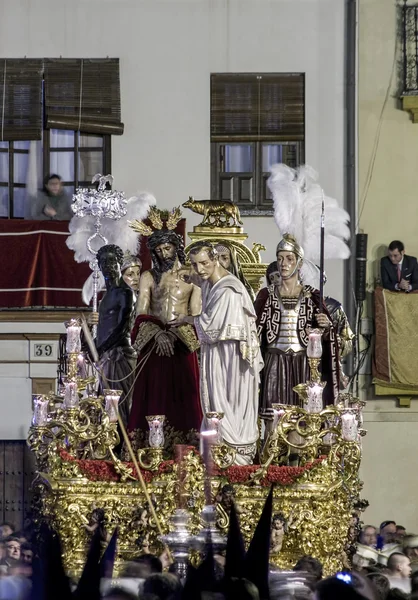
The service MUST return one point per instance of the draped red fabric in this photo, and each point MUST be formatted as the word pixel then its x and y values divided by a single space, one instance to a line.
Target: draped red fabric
pixel 38 268
pixel 169 385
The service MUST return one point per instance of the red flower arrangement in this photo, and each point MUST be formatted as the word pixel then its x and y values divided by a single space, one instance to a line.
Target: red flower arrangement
pixel 104 470
pixel 275 474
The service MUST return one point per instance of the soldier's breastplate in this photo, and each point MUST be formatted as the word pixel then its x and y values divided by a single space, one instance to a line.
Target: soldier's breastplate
pixel 288 339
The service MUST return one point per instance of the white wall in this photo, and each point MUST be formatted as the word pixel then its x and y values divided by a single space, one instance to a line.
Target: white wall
pixel 387 469
pixel 167 50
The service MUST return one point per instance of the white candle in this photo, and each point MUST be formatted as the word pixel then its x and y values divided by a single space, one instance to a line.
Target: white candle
pixel 314 403
pixel 314 349
pixel 40 410
pixel 112 404
pixel 214 423
pixel 156 430
pixel 73 344
pixel 70 395
pixel 81 367
pixel 349 429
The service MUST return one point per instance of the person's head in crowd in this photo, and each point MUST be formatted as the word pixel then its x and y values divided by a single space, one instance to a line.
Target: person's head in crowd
pixel 142 566
pixel 399 566
pixel 241 589
pixel 164 585
pixel 53 185
pixel 346 586
pixel 381 583
pixel 410 546
pixel 21 536
pixel 272 274
pixel 387 532
pixel 119 594
pixel 368 536
pixel 396 251
pixel 400 533
pixel 12 548
pixel 26 553
pixel 6 529
pixel 310 565
pixel 2 550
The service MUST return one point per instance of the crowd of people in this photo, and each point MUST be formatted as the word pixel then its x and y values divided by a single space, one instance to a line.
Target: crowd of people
pixel 387 571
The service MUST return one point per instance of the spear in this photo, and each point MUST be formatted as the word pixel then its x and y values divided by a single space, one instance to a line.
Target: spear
pixel 321 260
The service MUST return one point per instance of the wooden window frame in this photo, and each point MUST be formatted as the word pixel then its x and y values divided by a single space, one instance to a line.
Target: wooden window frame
pixel 106 149
pixel 259 203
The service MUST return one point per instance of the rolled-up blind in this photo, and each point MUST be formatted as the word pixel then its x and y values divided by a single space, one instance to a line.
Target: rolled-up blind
pixel 83 95
pixel 20 99
pixel 257 107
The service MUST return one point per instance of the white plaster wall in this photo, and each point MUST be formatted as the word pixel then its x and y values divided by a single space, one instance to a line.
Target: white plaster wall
pixel 167 49
pixel 388 463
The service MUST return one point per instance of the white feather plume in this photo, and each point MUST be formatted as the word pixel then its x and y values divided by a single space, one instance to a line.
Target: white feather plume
pixel 116 232
pixel 119 232
pixel 297 199
pixel 287 200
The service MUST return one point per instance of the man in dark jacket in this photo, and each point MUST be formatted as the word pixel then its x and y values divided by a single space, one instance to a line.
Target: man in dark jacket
pixel 399 272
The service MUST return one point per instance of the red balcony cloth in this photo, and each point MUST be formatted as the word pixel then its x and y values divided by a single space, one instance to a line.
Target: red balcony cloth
pixel 38 268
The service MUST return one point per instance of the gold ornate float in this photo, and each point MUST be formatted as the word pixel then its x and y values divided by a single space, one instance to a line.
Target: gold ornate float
pixel 81 483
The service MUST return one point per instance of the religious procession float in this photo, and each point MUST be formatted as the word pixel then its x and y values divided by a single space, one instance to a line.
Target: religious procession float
pixel 96 464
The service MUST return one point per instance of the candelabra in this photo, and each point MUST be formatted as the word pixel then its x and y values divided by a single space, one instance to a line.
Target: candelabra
pixel 310 430
pixel 83 425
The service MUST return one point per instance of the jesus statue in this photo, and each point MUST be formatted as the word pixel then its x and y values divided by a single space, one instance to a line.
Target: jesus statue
pixel 230 353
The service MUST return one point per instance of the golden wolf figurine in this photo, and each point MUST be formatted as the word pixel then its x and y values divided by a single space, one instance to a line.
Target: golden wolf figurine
pixel 216 213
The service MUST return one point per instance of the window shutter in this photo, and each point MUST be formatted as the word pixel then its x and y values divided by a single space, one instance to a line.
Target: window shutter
pixel 83 95
pixel 264 107
pixel 20 99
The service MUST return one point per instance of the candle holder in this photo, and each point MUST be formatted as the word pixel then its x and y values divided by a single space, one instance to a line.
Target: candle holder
pixel 112 398
pixel 179 540
pixel 73 343
pixel 150 458
pixel 349 427
pixel 314 353
pixel 40 410
pixel 314 348
pixel 314 403
pixel 71 399
pixel 156 430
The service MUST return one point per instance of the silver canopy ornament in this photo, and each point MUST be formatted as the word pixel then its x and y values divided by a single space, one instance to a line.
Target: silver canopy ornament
pixel 100 203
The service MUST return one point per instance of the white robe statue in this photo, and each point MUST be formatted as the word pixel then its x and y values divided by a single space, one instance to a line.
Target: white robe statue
pixel 230 363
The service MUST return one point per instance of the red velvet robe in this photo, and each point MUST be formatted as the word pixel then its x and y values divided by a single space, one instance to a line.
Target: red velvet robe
pixel 166 385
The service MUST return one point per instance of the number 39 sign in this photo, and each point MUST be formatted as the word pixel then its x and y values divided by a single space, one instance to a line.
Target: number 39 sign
pixel 45 351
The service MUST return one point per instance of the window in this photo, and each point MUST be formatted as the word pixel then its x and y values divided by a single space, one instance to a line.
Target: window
pixel 256 120
pixel 73 106
pixel 14 159
pixel 76 156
